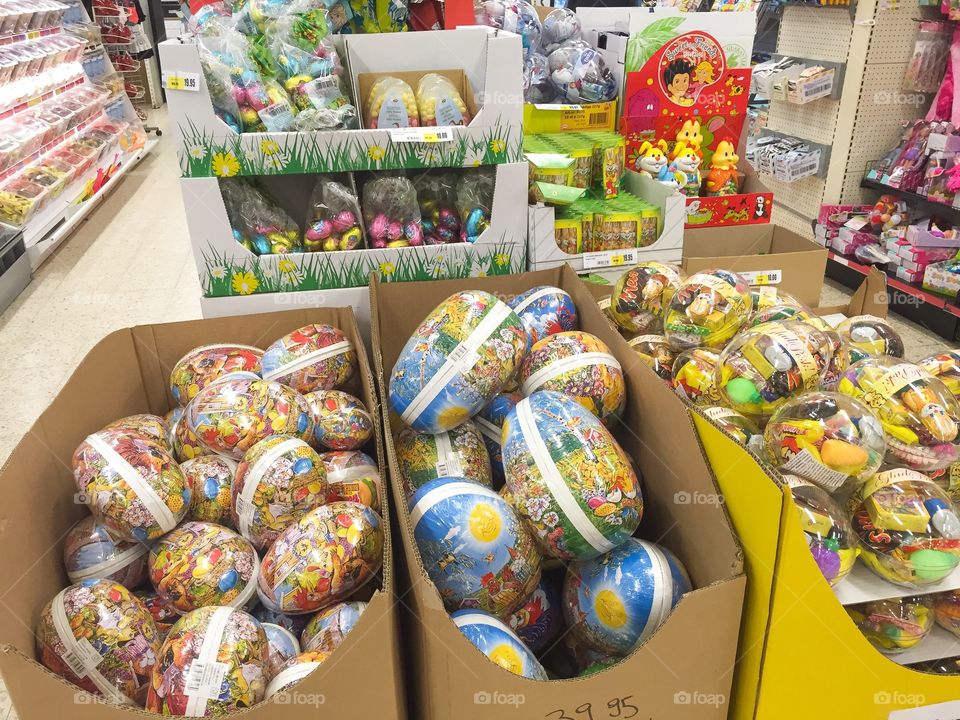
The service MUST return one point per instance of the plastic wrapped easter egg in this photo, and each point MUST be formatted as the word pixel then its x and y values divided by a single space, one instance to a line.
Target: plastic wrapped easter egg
pixel 283 645
pixel 489 422
pixel 229 641
pixel 315 357
pixel 908 528
pixel 90 552
pixel 459 452
pixel 581 366
pixel 352 475
pixel 293 623
pixel 831 439
pixel 499 643
pixel 868 336
pixel 616 601
pixel 946 607
pixel 211 486
pixel 458 358
pixel 201 564
pixel 150 427
pixel 765 365
pixel 231 417
pixel 707 310
pixel 131 485
pixel 97 635
pixel 323 558
pixel 539 620
pixel 164 616
pixel 580 74
pixel 738 426
pixel 919 415
pixel 294 670
pixel 775 313
pixel 328 628
pixel 827 529
pixel 279 481
pixel 474 546
pixel 641 294
pixel 694 376
pixel 656 353
pixel 840 357
pixel 569 478
pixel 894 625
pixel 766 296
pixel 946 367
pixel 341 422
pixel 186 445
pixel 199 367
pixel 558 26
pixel 544 311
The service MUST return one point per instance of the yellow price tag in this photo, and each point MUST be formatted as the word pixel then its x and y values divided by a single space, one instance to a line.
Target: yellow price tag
pixel 761 279
pixel 33 35
pixel 175 82
pixel 616 259
pixel 34 101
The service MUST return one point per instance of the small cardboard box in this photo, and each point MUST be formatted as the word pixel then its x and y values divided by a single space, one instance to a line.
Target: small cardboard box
pixel 764 255
pixel 125 373
pixel 674 675
pixel 937 279
pixel 871 298
pixel 920 237
pixel 751 206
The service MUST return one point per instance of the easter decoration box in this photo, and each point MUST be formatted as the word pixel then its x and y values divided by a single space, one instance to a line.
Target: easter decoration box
pixel 570 507
pixel 154 501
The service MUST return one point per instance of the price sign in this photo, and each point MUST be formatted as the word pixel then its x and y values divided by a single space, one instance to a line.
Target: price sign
pixel 557 107
pixel 33 35
pixel 763 277
pixel 610 258
pixel 182 81
pixel 421 134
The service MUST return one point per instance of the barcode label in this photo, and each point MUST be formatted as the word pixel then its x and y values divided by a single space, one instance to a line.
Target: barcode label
pixel 762 277
pixel 205 678
pixel 598 119
pixel 464 357
pixel 610 258
pixel 277 117
pixel 804 464
pixel 82 657
pixel 245 509
pixel 556 106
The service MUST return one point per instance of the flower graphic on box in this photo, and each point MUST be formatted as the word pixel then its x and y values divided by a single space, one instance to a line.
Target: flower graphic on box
pixel 269 147
pixel 474 156
pixel 198 152
pixel 429 154
pixel 225 164
pixel 376 153
pixel 245 283
pixel 386 269
pixel 218 272
pixel 497 146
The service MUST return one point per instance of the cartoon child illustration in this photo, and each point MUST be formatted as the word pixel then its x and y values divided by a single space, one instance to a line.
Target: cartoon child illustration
pixel 676 80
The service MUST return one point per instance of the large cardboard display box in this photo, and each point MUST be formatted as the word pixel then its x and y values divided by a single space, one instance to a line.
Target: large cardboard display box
pixel 128 372
pixel 685 669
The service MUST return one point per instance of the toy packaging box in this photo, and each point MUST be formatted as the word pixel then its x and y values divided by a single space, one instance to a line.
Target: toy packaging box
pixel 128 372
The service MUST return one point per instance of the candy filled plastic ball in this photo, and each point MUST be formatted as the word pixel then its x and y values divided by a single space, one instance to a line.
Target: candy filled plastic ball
pixel 131 485
pixel 539 620
pixel 946 367
pixel 831 439
pixel 738 426
pixel 569 478
pixel 707 310
pixel 352 475
pixel 294 670
pixel 766 296
pixel 98 636
pixel 474 546
pixel 490 424
pixel 656 353
pixel 869 336
pixel 315 357
pixel 908 528
pixel 521 17
pixel 537 87
pixel 283 645
pixel 459 357
pixel 499 643
pixel 894 625
pixel 581 366
pixel 946 606
pixel 323 558
pixel 616 601
pixel 329 627
pixel 201 366
pixel 694 376
pixel 580 75
pixel 559 26
pixel 211 487
pixel 341 420
pixel 776 313
pixel 146 426
pixel 228 636
pixel 458 453
pixel 840 358
pixel 90 552
pixel 545 311
pixel 832 543
pixel 919 415
pixel 641 294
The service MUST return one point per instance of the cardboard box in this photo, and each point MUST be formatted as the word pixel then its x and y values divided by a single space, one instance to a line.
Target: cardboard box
pixel 128 372
pixel 919 237
pixel 364 83
pixel 672 676
pixel 937 279
pixel 765 255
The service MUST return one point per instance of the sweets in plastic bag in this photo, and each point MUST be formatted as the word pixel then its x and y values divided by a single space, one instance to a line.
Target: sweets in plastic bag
pixel 333 220
pixel 258 222
pixel 391 212
pixel 391 104
pixel 537 87
pixel 437 197
pixel 475 202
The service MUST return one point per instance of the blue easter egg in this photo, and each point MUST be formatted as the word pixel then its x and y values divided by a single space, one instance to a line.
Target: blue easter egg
pixel 228 580
pixel 490 424
pixel 474 222
pixel 261 245
pixel 544 311
pixel 499 643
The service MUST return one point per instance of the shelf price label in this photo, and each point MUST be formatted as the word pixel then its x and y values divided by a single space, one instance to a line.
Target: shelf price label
pixel 763 277
pixel 421 134
pixel 182 81
pixel 610 259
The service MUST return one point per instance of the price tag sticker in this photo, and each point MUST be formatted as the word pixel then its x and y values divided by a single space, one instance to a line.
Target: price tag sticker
pixel 182 81
pixel 204 679
pixel 33 35
pixel 556 107
pixel 763 277
pixel 610 258
pixel 421 134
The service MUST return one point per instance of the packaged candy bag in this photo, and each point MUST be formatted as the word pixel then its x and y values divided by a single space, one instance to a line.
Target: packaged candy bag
pixel 439 102
pixel 333 218
pixel 220 85
pixel 475 202
pixel 437 196
pixel 391 212
pixel 580 74
pixel 391 104
pixel 258 223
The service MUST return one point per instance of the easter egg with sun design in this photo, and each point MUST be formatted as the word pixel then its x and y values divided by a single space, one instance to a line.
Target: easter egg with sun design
pixel 499 643
pixel 544 311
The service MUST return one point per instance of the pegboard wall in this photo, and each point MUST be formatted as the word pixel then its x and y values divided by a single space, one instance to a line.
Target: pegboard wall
pixel 803 197
pixel 815 32
pixel 790 220
pixel 816 121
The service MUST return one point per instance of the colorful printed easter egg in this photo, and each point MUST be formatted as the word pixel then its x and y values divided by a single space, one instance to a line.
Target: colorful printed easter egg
pixel 474 546
pixel 539 620
pixel 499 643
pixel 202 365
pixel 458 453
pixel 341 420
pixel 213 662
pixel 826 527
pixel 328 628
pixel 232 416
pixel 580 366
pixel 131 485
pixel 946 606
pixel 98 636
pixel 90 552
pixel 544 311
pixel 149 427
pixel 946 367
pixel 641 294
pixel 170 419
pixel 186 445
pixel 490 424
pixel 870 336
pixel 352 476
pixel 459 357
pixel 656 353
pixel 295 670
pixel 894 625
pixel 707 310
pixel 738 426
pixel 616 601
pixel 279 481
pixel 569 478
pixel 315 357
pixel 323 558
pixel 293 623
pixel 211 486
pixel 694 376
pixel 283 645
pixel 201 564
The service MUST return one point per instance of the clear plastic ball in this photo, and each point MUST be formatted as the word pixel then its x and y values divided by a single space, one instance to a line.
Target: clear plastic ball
pixel 831 540
pixel 707 310
pixel 895 625
pixel 869 336
pixel 558 26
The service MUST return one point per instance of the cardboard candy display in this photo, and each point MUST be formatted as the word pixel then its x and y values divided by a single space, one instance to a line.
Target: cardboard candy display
pixel 294 670
pixel 867 336
pixel 832 543
pixel 90 552
pixel 707 310
pixel 489 422
pixel 499 643
pixel 894 625
pixel 539 620
pixel 545 311
pixel 149 427
pixel 655 351
pixel 694 376
pixel 738 426
pixel 328 628
pixel 341 422
pixel 353 476
pixel 210 478
pixel 641 294
pixel 459 452
pixel 314 357
pixel 282 645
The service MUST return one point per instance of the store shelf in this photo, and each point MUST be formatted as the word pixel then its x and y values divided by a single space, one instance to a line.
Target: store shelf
pixel 938 644
pixel 14 169
pixel 68 85
pixel 863 585
pixel 933 207
pixel 29 35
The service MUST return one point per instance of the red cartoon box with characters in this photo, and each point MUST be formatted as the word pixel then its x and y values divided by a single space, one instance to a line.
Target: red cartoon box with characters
pixel 683 118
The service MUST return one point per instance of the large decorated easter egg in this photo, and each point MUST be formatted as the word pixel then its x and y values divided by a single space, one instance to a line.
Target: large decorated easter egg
pixel 641 294
pixel 131 485
pixel 580 366
pixel 98 635
pixel 149 427
pixel 323 558
pixel 459 357
pixel 295 669
pixel 460 452
pixel 490 424
pixel 826 528
pixel 616 601
pixel 946 607
pixel 283 645
pixel 232 416
pixel 279 481
pixel 707 310
pixel 315 357
pixel 568 477
pixel 341 422
pixel 499 643
pixel 293 623
pixel 328 628
pixel 213 662
pixel 896 624
pixel 545 310
pixel 90 552
pixel 474 546
pixel 202 365
pixel 694 376
pixel 539 620
pixel 186 445
pixel 211 488
pixel 164 616
pixel 352 475
pixel 870 336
